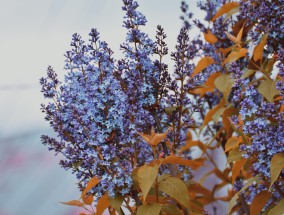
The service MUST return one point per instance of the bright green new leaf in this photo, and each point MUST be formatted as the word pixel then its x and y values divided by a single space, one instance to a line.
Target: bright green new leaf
pixel 278 209
pixel 149 209
pixel 276 166
pixel 176 189
pixel 234 199
pixel 146 177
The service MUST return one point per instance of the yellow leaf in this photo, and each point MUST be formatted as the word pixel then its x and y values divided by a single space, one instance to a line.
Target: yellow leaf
pixel 278 209
pixel 176 189
pixel 268 89
pixel 93 182
pixel 146 177
pixel 210 38
pixel 194 164
pixel 259 202
pixel 237 167
pixel 257 53
pixel 202 64
pixel 149 209
pixel 73 203
pixel 103 204
pixel 225 9
pixel 276 166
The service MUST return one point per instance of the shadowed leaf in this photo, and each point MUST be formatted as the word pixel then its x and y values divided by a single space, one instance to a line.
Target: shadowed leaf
pixel 259 202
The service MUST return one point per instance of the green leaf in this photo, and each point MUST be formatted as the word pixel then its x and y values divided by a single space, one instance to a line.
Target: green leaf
pixel 171 210
pixel 234 199
pixel 248 73
pixel 149 209
pixel 224 84
pixel 234 155
pixel 176 189
pixel 268 89
pixel 278 209
pixel 116 203
pixel 146 177
pixel 171 109
pixel 276 166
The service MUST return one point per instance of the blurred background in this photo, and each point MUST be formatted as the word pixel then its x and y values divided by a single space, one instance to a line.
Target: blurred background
pixel 35 34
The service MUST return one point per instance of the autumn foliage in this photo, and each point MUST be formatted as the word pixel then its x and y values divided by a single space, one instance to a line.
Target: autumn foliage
pixel 142 140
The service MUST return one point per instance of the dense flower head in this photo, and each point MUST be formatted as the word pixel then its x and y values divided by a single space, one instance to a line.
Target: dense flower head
pixel 104 110
pixel 266 17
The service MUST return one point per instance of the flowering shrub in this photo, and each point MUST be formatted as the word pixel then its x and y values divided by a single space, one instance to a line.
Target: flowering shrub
pixel 128 128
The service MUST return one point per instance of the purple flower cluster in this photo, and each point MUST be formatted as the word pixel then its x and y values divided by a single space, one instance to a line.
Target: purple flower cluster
pixel 267 17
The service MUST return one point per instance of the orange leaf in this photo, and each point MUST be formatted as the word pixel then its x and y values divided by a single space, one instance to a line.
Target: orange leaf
pixel 88 199
pixel 103 204
pixel 257 53
pixel 238 165
pixel 210 38
pixel 225 9
pixel 202 64
pixel 154 138
pixel 93 182
pixel 259 202
pixel 191 143
pixel 239 36
pixel 235 55
pixel 194 164
pixel 225 51
pixel 210 114
pixel 73 203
